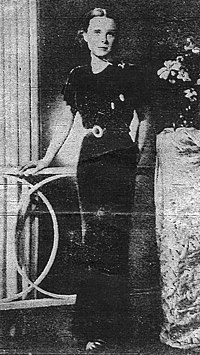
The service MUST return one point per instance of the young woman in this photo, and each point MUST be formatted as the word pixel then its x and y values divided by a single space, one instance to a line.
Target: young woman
pixel 110 97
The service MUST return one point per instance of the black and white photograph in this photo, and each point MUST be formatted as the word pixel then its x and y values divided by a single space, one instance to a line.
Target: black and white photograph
pixel 99 177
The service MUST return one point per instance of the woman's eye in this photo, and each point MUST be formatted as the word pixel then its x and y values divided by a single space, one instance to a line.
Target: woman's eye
pixel 111 34
pixel 97 32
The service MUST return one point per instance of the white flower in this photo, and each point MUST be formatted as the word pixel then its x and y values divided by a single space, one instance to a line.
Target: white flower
pixel 180 70
pixel 122 65
pixel 191 46
pixel 170 66
pixel 180 58
pixel 121 97
pixel 196 50
pixel 172 81
pixel 190 94
pixel 183 75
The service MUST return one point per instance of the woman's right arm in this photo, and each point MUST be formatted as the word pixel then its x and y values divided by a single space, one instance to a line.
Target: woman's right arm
pixel 59 136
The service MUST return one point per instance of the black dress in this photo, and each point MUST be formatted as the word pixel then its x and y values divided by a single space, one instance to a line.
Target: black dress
pixel 106 180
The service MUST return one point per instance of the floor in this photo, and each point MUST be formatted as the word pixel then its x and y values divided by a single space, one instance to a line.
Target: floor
pixel 47 331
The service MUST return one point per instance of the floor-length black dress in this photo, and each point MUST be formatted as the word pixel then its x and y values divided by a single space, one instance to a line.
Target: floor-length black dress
pixel 106 180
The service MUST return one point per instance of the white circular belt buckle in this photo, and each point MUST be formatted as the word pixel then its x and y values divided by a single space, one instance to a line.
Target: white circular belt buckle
pixel 97 131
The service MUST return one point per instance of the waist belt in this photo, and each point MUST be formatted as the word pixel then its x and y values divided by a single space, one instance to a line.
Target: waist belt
pixel 98 131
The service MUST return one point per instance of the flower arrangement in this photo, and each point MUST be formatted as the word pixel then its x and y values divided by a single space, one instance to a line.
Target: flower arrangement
pixel 184 73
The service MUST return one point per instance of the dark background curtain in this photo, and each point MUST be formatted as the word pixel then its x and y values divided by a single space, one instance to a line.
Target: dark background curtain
pixel 151 32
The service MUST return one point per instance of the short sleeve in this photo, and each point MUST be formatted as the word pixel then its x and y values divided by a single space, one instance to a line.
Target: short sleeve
pixel 69 90
pixel 136 87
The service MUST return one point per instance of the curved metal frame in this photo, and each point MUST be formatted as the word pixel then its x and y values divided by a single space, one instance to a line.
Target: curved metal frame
pixel 22 209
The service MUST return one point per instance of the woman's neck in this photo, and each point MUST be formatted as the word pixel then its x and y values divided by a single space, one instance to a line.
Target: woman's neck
pixel 98 64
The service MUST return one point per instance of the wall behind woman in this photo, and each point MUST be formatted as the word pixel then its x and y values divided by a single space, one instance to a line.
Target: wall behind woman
pixel 151 32
pixel 59 52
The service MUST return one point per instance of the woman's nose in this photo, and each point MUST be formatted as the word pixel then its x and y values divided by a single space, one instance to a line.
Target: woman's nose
pixel 103 38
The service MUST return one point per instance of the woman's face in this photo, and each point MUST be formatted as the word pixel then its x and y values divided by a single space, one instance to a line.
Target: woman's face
pixel 100 36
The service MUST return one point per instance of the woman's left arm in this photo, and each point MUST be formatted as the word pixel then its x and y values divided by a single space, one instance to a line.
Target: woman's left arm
pixel 145 128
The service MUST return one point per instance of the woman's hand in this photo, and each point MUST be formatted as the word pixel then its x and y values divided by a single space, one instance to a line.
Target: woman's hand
pixel 33 167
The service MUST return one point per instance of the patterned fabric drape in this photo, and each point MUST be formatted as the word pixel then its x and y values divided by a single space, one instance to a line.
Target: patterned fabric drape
pixel 177 198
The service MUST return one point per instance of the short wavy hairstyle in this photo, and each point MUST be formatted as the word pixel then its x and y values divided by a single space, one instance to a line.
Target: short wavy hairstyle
pixel 85 21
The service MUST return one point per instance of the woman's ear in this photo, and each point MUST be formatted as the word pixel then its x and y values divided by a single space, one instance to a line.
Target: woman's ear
pixel 84 34
pixel 81 37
